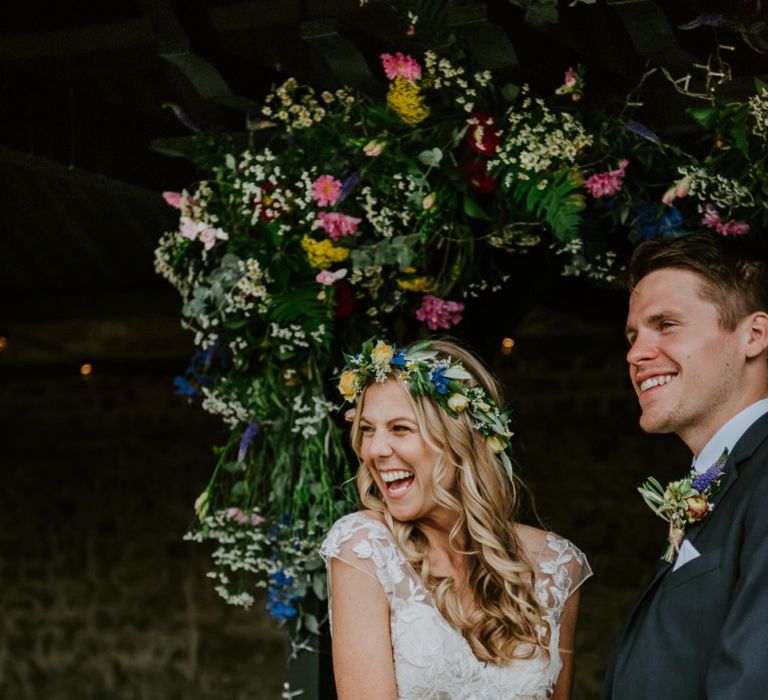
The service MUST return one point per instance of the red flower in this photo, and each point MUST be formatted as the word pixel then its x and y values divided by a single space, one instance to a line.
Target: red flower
pixel 345 300
pixel 476 173
pixel 481 135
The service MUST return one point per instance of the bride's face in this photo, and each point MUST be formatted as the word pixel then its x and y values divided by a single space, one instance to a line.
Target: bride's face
pixel 400 461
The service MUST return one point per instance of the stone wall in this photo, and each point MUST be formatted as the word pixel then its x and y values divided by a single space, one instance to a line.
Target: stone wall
pixel 101 598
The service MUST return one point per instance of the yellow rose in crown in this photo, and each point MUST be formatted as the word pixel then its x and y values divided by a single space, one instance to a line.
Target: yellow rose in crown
pixel 348 384
pixel 457 402
pixel 495 443
pixel 381 354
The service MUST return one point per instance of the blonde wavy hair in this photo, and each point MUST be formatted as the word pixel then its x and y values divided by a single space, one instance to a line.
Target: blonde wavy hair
pixel 507 620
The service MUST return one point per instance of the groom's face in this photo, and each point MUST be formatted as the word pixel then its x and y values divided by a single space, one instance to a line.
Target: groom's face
pixel 686 369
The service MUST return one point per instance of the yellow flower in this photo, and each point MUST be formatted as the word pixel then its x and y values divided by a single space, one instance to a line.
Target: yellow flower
pixel 458 402
pixel 348 384
pixel 322 254
pixel 495 443
pixel 417 284
pixel 381 354
pixel 429 201
pixel 405 99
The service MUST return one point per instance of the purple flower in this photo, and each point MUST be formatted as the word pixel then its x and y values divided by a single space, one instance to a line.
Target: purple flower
pixel 248 434
pixel 183 117
pixel 703 21
pixel 641 130
pixel 703 481
pixel 348 185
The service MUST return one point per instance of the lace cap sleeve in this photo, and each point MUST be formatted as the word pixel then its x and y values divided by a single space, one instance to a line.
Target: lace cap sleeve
pixel 560 569
pixel 366 544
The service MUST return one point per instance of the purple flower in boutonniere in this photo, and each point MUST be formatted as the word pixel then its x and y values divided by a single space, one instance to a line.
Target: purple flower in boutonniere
pixel 683 502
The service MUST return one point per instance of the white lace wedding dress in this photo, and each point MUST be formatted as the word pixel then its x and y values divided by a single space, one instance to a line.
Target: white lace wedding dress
pixel 432 659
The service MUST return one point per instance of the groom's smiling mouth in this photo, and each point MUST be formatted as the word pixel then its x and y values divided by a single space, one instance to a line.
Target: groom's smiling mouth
pixel 652 382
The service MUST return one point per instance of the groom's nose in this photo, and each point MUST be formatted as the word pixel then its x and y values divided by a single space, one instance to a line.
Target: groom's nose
pixel 642 349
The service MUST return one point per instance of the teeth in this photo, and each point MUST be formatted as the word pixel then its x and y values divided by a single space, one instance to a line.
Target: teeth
pixel 656 381
pixel 389 477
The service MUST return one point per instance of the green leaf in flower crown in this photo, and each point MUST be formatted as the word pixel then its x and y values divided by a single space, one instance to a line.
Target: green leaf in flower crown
pixel 473 210
pixel 431 157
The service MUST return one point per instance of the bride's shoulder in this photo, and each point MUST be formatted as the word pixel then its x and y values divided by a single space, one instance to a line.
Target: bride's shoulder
pixel 362 521
pixel 537 543
pixel 533 540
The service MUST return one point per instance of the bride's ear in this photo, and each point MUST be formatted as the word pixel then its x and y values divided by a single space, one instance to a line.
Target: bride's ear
pixel 756 327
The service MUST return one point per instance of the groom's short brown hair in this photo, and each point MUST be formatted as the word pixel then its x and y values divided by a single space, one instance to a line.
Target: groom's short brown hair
pixel 734 273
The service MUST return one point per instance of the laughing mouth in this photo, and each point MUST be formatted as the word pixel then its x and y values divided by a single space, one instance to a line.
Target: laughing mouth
pixel 397 481
pixel 652 382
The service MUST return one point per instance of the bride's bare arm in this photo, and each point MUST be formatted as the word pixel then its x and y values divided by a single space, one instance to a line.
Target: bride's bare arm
pixel 567 633
pixel 362 648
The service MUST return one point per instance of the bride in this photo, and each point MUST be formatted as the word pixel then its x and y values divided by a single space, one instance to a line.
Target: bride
pixel 435 590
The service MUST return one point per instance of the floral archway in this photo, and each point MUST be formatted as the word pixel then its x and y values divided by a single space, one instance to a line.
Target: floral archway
pixel 348 216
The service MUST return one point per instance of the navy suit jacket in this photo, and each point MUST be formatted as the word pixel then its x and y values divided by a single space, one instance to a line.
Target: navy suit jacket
pixel 701 632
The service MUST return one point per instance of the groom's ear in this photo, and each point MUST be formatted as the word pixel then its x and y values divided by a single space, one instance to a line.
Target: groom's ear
pixel 756 327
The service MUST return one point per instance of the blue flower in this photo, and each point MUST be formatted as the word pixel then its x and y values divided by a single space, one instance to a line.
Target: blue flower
pixel 185 388
pixel 281 610
pixel 670 223
pixel 398 358
pixel 441 382
pixel 651 225
pixel 281 579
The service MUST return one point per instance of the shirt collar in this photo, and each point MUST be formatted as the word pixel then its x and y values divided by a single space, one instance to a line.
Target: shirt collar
pixel 729 435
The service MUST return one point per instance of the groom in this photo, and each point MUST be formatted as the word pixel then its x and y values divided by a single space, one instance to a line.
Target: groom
pixel 698 331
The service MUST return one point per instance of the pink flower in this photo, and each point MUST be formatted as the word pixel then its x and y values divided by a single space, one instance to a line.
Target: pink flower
pixel 571 77
pixel 173 199
pixel 237 515
pixel 208 236
pixel 679 189
pixel 400 66
pixel 328 278
pixel 711 219
pixel 337 225
pixel 190 228
pixel 607 184
pixel 325 190
pixel 373 148
pixel 325 277
pixel 439 313
pixel 734 228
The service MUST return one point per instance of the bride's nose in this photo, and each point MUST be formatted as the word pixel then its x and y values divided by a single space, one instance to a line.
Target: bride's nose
pixel 380 445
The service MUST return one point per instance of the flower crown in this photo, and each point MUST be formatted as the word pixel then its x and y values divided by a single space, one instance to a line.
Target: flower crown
pixel 425 374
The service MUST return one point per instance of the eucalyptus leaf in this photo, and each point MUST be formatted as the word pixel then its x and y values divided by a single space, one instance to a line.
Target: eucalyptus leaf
pixel 431 157
pixel 310 623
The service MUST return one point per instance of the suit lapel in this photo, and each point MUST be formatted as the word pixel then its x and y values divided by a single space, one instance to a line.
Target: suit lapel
pixel 742 451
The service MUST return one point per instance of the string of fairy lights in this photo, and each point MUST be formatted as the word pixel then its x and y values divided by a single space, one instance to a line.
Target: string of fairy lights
pixel 86 368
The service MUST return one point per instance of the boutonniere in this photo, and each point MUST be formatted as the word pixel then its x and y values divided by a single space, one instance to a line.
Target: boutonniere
pixel 685 501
